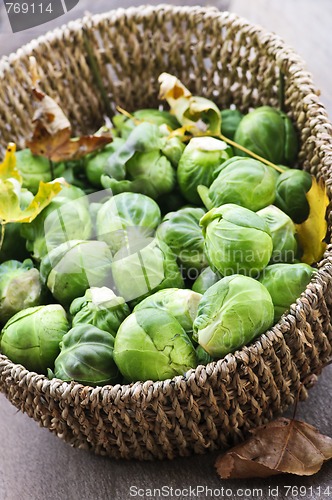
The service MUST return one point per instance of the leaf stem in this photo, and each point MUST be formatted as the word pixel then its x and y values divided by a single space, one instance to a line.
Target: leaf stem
pixel 51 163
pixel 2 235
pixel 250 153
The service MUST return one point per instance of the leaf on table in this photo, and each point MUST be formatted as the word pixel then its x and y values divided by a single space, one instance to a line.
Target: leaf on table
pixel 10 210
pixel 312 231
pixel 52 133
pixel 190 110
pixel 281 446
pixel 8 168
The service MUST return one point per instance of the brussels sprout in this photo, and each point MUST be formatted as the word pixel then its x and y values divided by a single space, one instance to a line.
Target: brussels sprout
pixel 146 169
pixel 206 279
pixel 152 345
pixel 282 233
pixel 230 120
pixel 232 313
pixel 182 304
pixel 173 150
pixel 145 267
pixel 203 357
pixel 200 164
pixel 125 125
pixel 181 232
pixel 291 189
pixel 269 133
pixel 34 169
pixel 32 336
pixel 285 283
pixel 20 287
pixel 126 216
pixel 66 217
pixel 99 307
pixel 73 267
pixel 96 164
pixel 243 181
pixel 237 240
pixel 149 173
pixel 87 357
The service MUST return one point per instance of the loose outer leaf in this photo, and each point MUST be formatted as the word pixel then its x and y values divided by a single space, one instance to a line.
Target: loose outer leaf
pixel 281 446
pixel 10 210
pixel 312 231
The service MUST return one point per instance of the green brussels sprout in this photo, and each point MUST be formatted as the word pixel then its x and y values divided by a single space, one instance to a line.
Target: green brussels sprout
pixel 87 357
pixel 126 216
pixel 230 120
pixel 180 230
pixel 125 125
pixel 203 357
pixel 147 170
pixel 32 336
pixel 20 287
pixel 149 173
pixel 206 279
pixel 269 133
pixel 291 189
pixel 173 150
pixel 66 217
pixel 145 267
pixel 282 231
pixel 231 314
pixel 99 307
pixel 237 240
pixel 152 345
pixel 243 181
pixel 96 164
pixel 73 267
pixel 200 164
pixel 182 304
pixel 285 283
pixel 34 169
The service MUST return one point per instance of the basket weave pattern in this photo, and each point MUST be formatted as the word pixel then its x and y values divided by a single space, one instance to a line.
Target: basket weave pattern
pixel 223 57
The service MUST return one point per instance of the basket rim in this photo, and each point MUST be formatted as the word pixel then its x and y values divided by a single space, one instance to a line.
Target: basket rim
pixel 283 53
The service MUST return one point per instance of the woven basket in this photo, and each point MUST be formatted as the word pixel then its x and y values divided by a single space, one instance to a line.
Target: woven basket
pixel 116 58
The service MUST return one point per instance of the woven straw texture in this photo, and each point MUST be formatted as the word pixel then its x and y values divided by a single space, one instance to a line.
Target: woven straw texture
pixel 116 58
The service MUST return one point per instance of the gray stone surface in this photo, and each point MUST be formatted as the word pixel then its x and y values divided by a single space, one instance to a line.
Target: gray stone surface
pixel 35 465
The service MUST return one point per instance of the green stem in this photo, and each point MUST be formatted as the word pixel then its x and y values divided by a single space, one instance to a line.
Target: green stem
pixel 51 163
pixel 2 235
pixel 250 153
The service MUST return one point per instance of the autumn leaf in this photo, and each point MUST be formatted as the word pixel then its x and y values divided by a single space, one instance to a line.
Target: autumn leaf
pixel 8 168
pixel 190 110
pixel 52 133
pixel 312 231
pixel 10 210
pixel 281 446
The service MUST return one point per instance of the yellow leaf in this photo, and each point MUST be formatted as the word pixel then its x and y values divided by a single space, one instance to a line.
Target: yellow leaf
pixel 171 88
pixel 8 168
pixel 10 210
pixel 188 109
pixel 312 231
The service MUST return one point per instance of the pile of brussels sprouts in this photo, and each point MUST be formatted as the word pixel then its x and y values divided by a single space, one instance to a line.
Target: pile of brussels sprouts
pixel 160 253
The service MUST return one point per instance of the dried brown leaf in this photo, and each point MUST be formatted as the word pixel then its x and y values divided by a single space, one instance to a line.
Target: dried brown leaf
pixel 281 446
pixel 52 133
